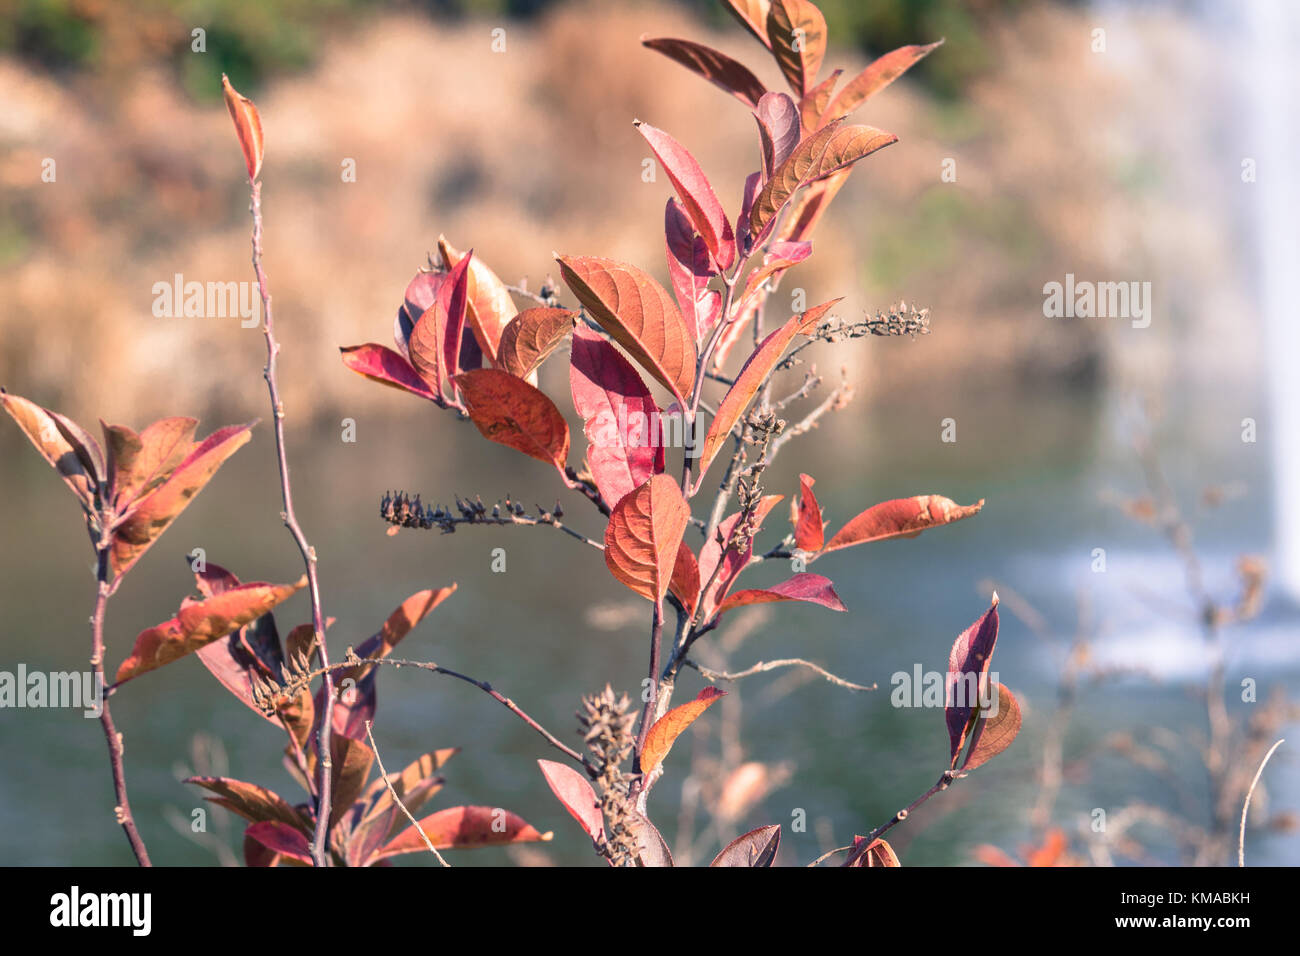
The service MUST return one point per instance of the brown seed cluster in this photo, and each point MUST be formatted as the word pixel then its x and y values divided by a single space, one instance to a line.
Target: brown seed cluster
pixel 606 726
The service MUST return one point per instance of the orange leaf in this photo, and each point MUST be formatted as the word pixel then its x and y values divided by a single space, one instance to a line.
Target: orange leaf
pixel 139 463
pixel 644 535
pixel 797 31
pixel 685 582
pixel 510 412
pixel 812 203
pixel 398 624
pixel 250 801
pixel 464 828
pixel 875 78
pixel 640 314
pixel 900 518
pixel 199 623
pixel 490 306
pixel 876 853
pixel 815 100
pixel 749 381
pixel 752 15
pixel 70 451
pixel 248 127
pixel 530 337
pixel 671 725
pixel 832 148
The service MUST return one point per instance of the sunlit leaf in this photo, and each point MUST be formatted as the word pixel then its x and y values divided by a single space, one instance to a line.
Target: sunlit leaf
pixel 733 560
pixel 138 463
pixel 464 828
pixel 797 31
pixel 778 130
pixel 900 518
pixel 530 337
pixel 875 78
pixel 575 793
pixel 652 848
pixel 815 100
pixel 695 192
pixel 993 734
pixel 77 459
pixel 510 412
pixel 809 529
pixel 643 536
pixel 806 587
pixel 248 127
pixel 966 683
pixel 671 725
pixel 381 364
pixel 490 306
pixel 716 67
pixel 752 15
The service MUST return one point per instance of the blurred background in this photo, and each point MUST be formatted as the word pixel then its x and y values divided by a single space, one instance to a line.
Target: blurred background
pixel 1165 156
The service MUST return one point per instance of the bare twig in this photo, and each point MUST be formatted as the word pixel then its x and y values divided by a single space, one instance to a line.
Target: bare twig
pixel 383 775
pixel 1245 806
pixel 764 666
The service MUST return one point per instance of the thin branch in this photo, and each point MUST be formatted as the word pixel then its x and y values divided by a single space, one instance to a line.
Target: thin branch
pixel 1241 836
pixel 763 666
pixel 402 512
pixel 828 854
pixel 318 851
pixel 383 775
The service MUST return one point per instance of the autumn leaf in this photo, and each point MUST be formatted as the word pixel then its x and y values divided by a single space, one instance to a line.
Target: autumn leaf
pixel 530 337
pixel 752 15
pixel 153 513
pixel 139 463
pixel 510 412
pixel 778 130
pixel 70 451
pixel 643 535
pixel 993 733
pixel 755 371
pixel 696 194
pixel 690 267
pixel 685 582
pixel 807 587
pixel 810 205
pixel 670 726
pixel 248 127
pixel 398 624
pixel 778 257
pixel 618 413
pixel 576 795
pixel 834 147
pixel 874 853
pixel 381 364
pixel 350 763
pixel 966 683
pixel 639 314
pixel 797 31
pixel 464 828
pixel 900 518
pixel 815 100
pixel 733 560
pixel 199 623
pixel 652 848
pixel 875 78
pixel 756 848
pixel 281 839
pixel 809 530
pixel 490 307
pixel 250 801
pixel 716 67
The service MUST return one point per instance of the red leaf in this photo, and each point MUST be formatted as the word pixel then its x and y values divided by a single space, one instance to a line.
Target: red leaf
pixel 490 307
pixel 716 67
pixel 875 853
pixel 281 839
pixel 670 726
pixel 530 338
pixel 153 513
pixel 733 561
pixel 248 127
pixel 574 791
pixel 453 297
pixel 756 848
pixel 967 680
pixel 70 451
pixel 809 530
pixel 383 365
pixel 749 381
pixel 250 801
pixel 797 31
pixel 201 622
pixel 811 205
pixel 778 257
pixel 900 518
pixel 814 102
pixel 993 733
pixel 778 130
pixel 644 534
pixel 752 15
pixel 812 588
pixel 399 623
pixel 689 268
pixel 463 828
pixel 832 148
pixel 639 314
pixel 139 463
pixel 618 412
pixel 696 193
pixel 875 78
pixel 685 582
pixel 510 412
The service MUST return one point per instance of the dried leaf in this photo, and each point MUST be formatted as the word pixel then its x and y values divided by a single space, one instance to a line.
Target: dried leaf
pixel 756 848
pixel 248 127
pixel 671 725
pixel 876 853
pixel 201 622
pixel 510 412
pixel 639 314
pixel 716 67
pixel 153 513
pixel 900 518
pixel 652 848
pixel 530 337
pixel 77 459
pixel 643 536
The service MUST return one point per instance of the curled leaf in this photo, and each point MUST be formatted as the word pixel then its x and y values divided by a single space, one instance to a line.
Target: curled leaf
pixel 758 847
pixel 967 682
pixel 900 518
pixel 993 732
pixel 530 337
pixel 248 127
pixel 69 450
pixel 716 67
